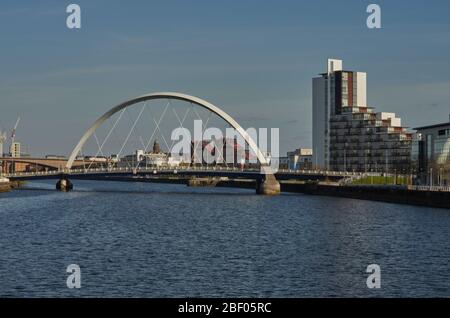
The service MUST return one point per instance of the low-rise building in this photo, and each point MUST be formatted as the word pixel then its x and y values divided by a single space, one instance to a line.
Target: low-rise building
pixel 155 158
pixel 362 140
pixel 283 162
pixel 300 159
pixel 431 154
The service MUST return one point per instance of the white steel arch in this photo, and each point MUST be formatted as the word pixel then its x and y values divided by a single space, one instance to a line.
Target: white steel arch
pixel 167 95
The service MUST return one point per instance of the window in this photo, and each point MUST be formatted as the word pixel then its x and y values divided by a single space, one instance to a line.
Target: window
pixel 429 146
pixel 442 150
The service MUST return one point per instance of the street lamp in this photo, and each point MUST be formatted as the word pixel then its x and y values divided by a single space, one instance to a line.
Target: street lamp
pixel 345 156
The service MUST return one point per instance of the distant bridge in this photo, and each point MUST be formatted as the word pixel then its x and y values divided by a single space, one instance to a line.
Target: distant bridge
pixel 42 162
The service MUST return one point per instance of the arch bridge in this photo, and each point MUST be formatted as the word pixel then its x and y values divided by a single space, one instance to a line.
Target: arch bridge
pixel 266 181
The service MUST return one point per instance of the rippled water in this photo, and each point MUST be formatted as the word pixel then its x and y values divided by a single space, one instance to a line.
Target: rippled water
pixel 151 240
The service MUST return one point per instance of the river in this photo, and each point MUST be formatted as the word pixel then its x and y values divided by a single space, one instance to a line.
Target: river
pixel 163 240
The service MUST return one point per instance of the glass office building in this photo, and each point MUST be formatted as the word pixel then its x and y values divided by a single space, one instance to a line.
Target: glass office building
pixel 431 154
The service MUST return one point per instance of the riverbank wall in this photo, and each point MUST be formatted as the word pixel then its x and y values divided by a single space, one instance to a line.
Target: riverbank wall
pixel 392 194
pixel 5 186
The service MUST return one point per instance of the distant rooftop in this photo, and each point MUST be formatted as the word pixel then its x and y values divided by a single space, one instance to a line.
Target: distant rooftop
pixel 433 126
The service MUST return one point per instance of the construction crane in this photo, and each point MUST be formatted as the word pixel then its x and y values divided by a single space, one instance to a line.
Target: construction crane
pixel 13 135
pixel 13 132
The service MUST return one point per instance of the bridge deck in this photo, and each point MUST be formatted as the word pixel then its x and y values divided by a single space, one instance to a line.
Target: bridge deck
pixel 181 172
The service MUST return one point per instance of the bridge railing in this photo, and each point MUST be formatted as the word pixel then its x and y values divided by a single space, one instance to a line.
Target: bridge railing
pixel 29 173
pixel 187 168
pixel 429 188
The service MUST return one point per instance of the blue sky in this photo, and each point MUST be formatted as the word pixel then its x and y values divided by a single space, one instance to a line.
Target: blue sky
pixel 254 58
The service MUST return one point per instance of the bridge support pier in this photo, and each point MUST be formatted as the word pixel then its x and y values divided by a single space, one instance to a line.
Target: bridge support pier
pixel 64 185
pixel 268 185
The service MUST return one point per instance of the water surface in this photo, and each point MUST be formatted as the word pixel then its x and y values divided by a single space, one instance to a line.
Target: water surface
pixel 161 240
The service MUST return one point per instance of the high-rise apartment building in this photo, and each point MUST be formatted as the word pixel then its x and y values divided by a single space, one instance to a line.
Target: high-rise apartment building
pixel 347 134
pixel 332 91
